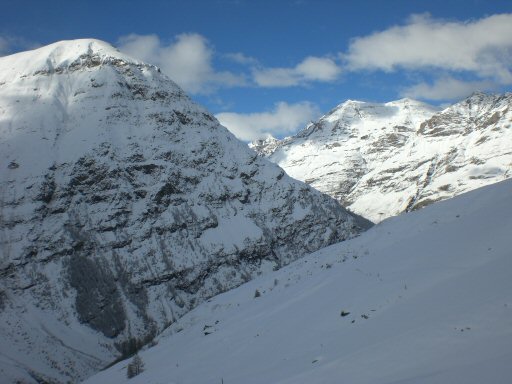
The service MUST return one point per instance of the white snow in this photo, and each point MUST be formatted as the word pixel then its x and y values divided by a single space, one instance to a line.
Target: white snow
pixel 429 296
pixel 106 161
pixel 56 55
pixel 228 232
pixel 382 159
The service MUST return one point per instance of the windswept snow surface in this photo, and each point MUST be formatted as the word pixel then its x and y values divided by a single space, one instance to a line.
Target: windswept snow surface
pixel 430 301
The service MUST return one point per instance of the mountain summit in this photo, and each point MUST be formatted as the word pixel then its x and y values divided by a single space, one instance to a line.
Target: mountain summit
pixel 64 56
pixel 383 159
pixel 123 206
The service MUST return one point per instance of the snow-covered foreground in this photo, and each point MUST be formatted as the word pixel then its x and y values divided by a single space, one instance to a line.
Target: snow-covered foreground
pixel 429 296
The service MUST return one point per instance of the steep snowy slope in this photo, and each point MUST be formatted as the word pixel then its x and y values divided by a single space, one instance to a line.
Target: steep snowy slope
pixel 123 206
pixel 383 159
pixel 424 297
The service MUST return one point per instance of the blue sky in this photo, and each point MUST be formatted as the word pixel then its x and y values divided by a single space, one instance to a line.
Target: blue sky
pixel 268 67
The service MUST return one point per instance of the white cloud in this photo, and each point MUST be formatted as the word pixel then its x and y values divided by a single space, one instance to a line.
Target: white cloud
pixel 283 119
pixel 240 58
pixel 483 47
pixel 446 88
pixel 145 47
pixel 276 77
pixel 310 69
pixel 319 69
pixel 479 49
pixel 187 60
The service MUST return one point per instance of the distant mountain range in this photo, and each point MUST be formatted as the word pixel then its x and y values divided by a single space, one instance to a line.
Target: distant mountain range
pixel 123 205
pixel 383 159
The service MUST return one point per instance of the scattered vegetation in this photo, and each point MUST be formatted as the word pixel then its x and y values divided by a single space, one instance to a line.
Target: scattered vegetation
pixel 135 367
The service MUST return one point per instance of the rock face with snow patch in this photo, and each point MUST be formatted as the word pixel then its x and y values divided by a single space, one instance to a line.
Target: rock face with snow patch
pixel 124 205
pixel 383 159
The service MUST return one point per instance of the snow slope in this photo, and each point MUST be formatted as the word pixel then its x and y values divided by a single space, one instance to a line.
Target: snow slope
pixel 383 159
pixel 123 205
pixel 429 297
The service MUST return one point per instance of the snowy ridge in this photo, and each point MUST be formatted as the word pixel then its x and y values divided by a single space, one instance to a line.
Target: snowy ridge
pixel 123 205
pixel 265 146
pixel 60 57
pixel 383 159
pixel 420 298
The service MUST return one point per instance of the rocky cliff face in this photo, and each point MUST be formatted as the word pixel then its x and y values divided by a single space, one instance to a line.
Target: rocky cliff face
pixel 124 205
pixel 383 159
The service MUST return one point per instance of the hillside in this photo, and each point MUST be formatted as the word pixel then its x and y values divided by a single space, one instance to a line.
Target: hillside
pixel 420 298
pixel 124 205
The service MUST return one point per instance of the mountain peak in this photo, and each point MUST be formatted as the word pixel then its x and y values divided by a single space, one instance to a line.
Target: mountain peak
pixel 383 159
pixel 59 57
pixel 266 145
pixel 478 96
pixel 124 205
pixel 350 104
pixel 404 101
pixel 407 103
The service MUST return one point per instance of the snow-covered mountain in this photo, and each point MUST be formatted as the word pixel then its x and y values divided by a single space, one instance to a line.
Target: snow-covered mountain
pixel 383 159
pixel 421 298
pixel 123 206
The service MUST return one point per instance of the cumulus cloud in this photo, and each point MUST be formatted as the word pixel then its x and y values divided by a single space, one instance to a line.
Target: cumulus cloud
pixel 483 47
pixel 187 60
pixel 446 88
pixel 282 120
pixel 311 69
pixel 480 50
